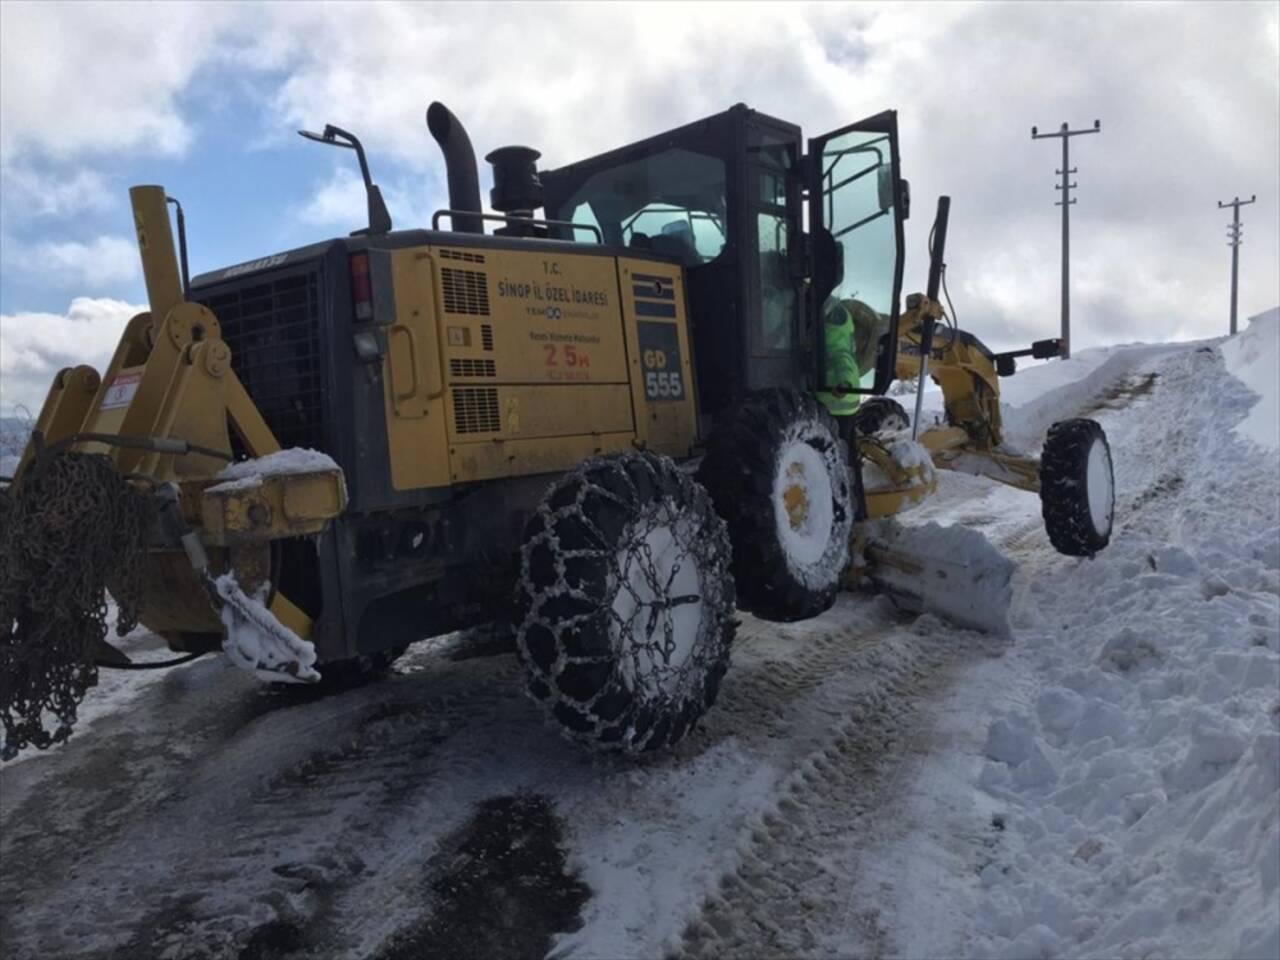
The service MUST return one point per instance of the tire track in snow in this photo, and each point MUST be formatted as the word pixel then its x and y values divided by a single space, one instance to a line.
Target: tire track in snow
pixel 797 859
pixel 794 859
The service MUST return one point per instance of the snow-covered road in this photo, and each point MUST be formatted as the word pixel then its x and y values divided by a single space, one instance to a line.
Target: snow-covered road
pixel 1106 782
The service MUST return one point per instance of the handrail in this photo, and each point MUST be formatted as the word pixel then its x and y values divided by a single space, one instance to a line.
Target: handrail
pixel 413 364
pixel 503 218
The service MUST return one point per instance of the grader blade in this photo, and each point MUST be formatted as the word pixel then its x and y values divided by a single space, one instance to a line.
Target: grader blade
pixel 953 572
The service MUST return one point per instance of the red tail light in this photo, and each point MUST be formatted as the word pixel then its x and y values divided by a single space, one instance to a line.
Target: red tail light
pixel 361 289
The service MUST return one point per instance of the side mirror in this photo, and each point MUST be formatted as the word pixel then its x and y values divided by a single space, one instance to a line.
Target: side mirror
pixel 884 186
pixel 379 218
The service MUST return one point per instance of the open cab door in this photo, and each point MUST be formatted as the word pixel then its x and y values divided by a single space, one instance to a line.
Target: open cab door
pixel 857 203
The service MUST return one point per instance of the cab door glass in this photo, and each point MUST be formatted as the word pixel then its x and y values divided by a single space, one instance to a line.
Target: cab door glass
pixel 777 292
pixel 772 158
pixel 858 211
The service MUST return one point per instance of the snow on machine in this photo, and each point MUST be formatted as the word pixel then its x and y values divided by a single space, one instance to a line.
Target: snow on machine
pixel 604 423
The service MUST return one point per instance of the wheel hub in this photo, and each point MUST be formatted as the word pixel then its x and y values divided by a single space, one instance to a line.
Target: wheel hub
pixel 803 502
pixel 657 605
pixel 1100 487
pixel 795 497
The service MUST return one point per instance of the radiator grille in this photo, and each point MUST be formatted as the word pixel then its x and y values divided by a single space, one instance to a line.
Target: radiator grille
pixel 272 325
pixel 486 335
pixel 465 291
pixel 462 255
pixel 472 368
pixel 475 410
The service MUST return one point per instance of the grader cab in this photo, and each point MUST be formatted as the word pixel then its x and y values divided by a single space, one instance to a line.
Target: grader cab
pixel 601 423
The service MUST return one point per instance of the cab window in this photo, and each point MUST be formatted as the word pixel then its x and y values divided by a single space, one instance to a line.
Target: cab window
pixel 772 158
pixel 671 202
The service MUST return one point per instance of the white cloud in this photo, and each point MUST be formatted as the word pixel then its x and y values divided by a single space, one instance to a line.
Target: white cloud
pixel 1188 95
pixel 30 193
pixel 339 200
pixel 35 346
pixel 84 78
pixel 340 203
pixel 104 261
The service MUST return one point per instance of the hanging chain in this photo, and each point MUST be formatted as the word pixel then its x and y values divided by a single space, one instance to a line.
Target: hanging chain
pixel 72 529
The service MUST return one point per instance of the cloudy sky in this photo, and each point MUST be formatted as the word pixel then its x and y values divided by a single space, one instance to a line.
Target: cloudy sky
pixel 205 99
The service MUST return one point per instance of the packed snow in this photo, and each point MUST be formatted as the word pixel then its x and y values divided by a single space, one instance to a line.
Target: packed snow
pixel 910 456
pixel 249 473
pixel 259 643
pixel 953 571
pixel 1104 780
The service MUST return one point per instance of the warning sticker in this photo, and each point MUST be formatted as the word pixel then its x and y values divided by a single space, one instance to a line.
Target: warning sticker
pixel 120 393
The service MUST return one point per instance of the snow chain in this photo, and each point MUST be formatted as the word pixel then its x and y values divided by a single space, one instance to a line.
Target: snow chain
pixel 651 629
pixel 72 528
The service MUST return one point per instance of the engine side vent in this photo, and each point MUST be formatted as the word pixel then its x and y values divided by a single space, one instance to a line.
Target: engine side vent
pixel 486 335
pixel 475 410
pixel 472 368
pixel 462 255
pixel 465 291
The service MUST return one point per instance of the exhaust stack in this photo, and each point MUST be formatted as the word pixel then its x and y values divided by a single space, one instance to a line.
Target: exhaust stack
pixel 460 165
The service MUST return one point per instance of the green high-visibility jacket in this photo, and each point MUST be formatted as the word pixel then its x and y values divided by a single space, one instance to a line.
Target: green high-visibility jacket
pixel 841 365
pixel 853 331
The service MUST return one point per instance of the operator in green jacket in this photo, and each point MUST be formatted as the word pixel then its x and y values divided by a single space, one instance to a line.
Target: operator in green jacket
pixel 853 331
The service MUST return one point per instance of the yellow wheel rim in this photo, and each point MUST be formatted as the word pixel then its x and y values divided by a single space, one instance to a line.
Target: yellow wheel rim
pixel 795 496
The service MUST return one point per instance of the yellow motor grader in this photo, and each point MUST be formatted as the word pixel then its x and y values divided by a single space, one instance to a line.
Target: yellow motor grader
pixel 600 423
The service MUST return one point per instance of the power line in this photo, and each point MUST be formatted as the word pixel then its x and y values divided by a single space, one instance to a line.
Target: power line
pixel 1065 203
pixel 1234 239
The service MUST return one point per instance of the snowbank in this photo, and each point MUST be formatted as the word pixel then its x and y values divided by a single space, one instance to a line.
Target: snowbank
pixel 1253 357
pixel 1032 400
pixel 1119 767
pixel 1037 396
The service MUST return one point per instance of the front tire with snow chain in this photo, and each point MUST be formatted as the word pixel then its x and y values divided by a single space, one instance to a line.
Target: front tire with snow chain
pixel 779 475
pixel 625 606
pixel 1077 487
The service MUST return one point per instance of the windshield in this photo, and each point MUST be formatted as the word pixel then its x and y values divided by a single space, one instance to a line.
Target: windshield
pixel 671 202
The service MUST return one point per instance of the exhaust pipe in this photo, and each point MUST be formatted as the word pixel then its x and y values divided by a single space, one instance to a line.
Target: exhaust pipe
pixel 460 165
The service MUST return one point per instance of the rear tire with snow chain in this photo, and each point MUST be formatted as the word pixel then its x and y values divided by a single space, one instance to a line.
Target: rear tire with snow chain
pixel 625 606
pixel 779 475
pixel 1077 487
pixel 879 414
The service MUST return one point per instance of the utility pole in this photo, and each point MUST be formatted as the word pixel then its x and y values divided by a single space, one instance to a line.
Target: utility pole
pixel 1065 203
pixel 1233 241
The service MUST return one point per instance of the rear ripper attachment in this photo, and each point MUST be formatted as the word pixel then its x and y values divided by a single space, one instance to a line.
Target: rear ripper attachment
pixel 127 489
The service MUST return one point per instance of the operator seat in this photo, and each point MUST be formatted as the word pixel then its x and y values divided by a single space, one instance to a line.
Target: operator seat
pixel 676 239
